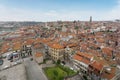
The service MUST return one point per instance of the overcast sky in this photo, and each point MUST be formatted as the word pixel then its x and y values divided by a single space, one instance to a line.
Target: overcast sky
pixel 52 10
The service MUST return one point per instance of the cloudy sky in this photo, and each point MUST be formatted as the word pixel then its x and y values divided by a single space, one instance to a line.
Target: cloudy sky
pixel 52 10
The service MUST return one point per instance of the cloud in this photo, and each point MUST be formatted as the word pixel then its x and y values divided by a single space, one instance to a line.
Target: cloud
pixel 17 14
pixel 14 14
pixel 114 13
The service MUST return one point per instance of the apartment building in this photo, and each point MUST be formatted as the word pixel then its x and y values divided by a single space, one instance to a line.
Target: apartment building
pixel 81 61
pixel 56 51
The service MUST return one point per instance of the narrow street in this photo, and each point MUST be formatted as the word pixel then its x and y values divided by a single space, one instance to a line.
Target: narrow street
pixel 34 72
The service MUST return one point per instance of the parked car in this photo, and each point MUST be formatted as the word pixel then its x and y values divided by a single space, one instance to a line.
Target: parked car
pixel 9 56
pixel 15 63
pixel 1 62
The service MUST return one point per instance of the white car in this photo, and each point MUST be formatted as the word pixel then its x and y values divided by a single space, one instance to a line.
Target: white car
pixel 15 63
pixel 19 61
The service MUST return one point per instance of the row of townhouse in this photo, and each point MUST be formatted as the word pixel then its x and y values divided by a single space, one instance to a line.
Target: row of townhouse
pixel 94 69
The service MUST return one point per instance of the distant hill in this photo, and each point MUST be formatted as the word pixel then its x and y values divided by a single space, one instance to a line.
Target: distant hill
pixel 17 24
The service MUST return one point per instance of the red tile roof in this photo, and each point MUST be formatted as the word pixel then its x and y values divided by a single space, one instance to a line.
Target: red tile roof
pixel 82 57
pixel 110 74
pixel 37 40
pixel 87 55
pixel 72 45
pixel 77 57
pixel 97 65
pixel 28 42
pixel 45 40
pixel 38 54
pixel 107 51
pixel 17 45
pixel 5 47
pixel 56 46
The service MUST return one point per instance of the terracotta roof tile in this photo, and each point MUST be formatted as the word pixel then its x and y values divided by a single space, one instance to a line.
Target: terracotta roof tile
pixel 81 58
pixel 5 47
pixel 100 40
pixel 97 65
pixel 36 46
pixel 109 75
pixel 87 55
pixel 107 51
pixel 45 40
pixel 77 57
pixel 17 45
pixel 38 54
pixel 72 45
pixel 38 40
pixel 56 46
pixel 28 42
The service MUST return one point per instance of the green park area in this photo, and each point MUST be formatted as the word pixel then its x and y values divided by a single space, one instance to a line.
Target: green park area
pixel 58 72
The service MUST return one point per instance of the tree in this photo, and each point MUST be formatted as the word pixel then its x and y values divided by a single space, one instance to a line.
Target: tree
pixel 59 29
pixel 58 61
pixel 76 27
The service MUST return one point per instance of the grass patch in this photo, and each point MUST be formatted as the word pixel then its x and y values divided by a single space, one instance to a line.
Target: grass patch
pixel 55 73
pixel 67 70
pixel 58 72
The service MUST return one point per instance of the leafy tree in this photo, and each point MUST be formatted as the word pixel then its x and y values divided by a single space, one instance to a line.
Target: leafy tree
pixel 58 61
pixel 76 27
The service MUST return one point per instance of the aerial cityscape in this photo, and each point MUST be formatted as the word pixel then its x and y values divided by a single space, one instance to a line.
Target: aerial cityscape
pixel 60 40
